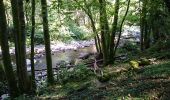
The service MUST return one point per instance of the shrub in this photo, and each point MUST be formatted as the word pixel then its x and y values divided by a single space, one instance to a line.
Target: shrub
pixel 131 47
pixel 160 50
pixel 39 37
pixel 104 78
pixel 78 33
pixel 78 73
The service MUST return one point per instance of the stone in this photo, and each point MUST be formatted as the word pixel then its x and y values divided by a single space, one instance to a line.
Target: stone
pixel 144 61
pixel 4 96
pixel 84 55
pixel 134 64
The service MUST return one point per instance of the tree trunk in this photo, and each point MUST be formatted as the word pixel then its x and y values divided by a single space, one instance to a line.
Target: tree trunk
pixel 32 45
pixel 5 53
pixel 104 31
pixel 50 77
pixel 89 14
pixel 146 36
pixel 120 30
pixel 142 23
pixel 20 48
pixel 114 30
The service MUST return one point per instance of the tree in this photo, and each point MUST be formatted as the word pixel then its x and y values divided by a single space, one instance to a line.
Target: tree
pixel 113 31
pixel 50 77
pixel 13 89
pixel 109 46
pixel 143 24
pixel 120 29
pixel 104 27
pixel 32 44
pixel 88 11
pixel 20 48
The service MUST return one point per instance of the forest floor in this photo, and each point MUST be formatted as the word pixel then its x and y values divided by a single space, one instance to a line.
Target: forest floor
pixel 147 83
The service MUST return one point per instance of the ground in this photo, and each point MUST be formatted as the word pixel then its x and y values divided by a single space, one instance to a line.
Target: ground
pixel 147 83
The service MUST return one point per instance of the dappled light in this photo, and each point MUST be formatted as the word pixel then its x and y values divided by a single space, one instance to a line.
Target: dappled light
pixel 84 50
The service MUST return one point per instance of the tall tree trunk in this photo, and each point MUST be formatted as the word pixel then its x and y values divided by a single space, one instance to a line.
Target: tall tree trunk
pixel 142 23
pixel 14 92
pixel 146 36
pixel 121 26
pixel 104 31
pixel 50 77
pixel 20 48
pixel 32 45
pixel 114 30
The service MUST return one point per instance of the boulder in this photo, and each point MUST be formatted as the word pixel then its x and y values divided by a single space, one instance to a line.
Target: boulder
pixel 134 64
pixel 4 96
pixel 144 61
pixel 84 55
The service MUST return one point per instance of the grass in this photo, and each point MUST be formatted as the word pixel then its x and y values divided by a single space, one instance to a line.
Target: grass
pixel 146 84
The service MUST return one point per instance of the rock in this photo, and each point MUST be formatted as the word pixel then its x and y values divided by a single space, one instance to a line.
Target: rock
pixel 78 61
pixel 84 55
pixel 61 63
pixel 44 73
pixel 144 61
pixel 134 64
pixel 28 61
pixel 4 96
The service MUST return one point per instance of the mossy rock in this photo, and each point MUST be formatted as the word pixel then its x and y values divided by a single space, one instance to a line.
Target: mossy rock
pixel 104 78
pixel 134 64
pixel 143 62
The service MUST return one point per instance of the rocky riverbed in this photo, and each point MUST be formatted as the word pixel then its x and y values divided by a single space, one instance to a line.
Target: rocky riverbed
pixel 73 51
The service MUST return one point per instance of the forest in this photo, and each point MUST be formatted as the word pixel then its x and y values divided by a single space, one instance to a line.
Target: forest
pixel 84 50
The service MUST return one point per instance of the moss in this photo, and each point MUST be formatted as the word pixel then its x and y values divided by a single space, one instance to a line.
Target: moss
pixel 143 62
pixel 76 86
pixel 134 64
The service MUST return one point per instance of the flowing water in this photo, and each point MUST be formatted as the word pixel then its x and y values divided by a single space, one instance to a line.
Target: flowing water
pixel 67 56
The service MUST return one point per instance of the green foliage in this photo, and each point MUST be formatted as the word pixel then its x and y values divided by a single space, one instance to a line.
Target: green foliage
pixel 78 33
pixel 158 70
pixel 137 87
pixel 104 78
pixel 132 19
pixel 79 73
pixel 129 46
pixel 161 45
pixel 72 87
pixel 160 49
pixel 39 37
